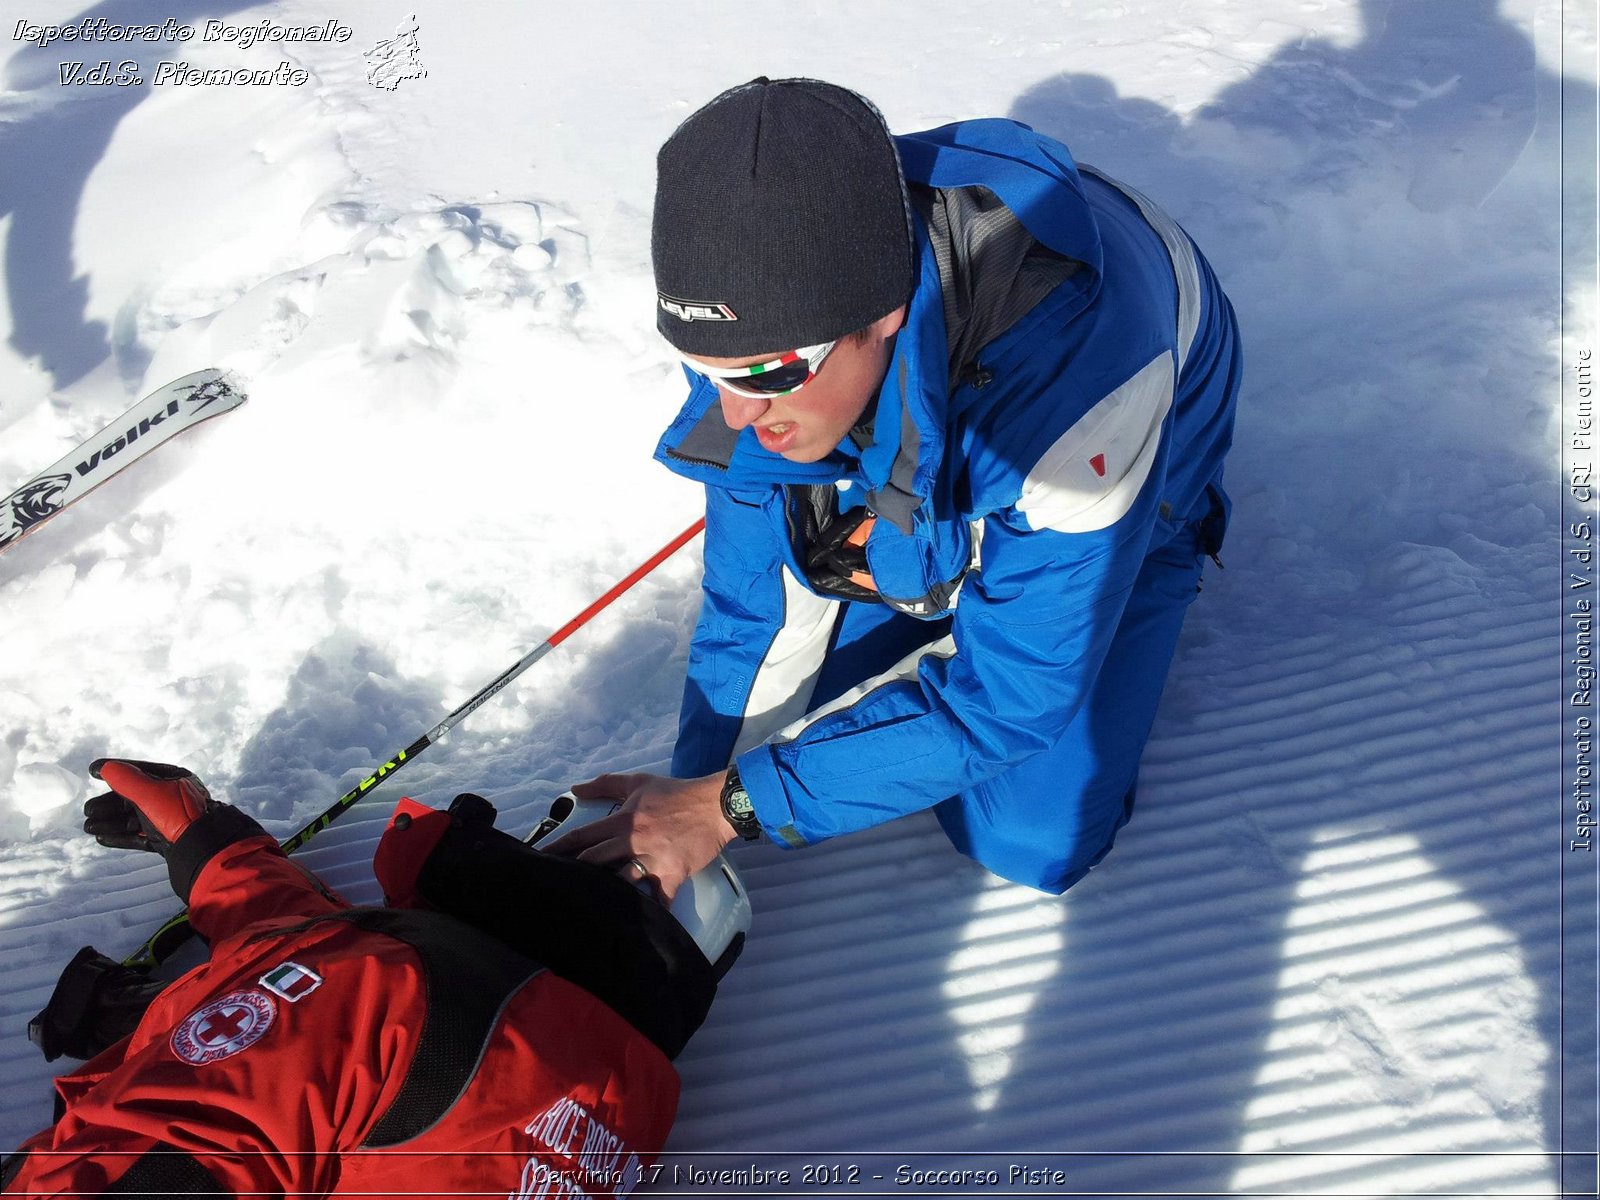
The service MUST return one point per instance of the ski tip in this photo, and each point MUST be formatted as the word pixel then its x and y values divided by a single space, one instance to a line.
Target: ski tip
pixel 159 416
pixel 235 379
pixel 211 391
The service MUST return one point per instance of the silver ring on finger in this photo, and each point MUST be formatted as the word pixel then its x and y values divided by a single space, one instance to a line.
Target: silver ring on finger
pixel 639 870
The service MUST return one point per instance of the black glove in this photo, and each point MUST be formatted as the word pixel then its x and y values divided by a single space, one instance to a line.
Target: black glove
pixel 836 562
pixel 149 807
pixel 97 1002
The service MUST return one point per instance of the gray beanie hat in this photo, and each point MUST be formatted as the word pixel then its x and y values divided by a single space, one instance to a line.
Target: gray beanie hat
pixel 781 221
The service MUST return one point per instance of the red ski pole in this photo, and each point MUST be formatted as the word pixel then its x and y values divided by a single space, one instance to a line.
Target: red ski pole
pixel 161 944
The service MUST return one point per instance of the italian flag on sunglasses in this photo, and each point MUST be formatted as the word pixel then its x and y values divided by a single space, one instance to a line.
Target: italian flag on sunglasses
pixel 777 377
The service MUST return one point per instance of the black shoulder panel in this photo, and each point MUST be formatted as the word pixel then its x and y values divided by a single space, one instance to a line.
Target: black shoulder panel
pixel 470 977
pixel 164 1171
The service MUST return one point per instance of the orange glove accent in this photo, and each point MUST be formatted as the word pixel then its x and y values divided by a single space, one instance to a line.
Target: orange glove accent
pixel 150 805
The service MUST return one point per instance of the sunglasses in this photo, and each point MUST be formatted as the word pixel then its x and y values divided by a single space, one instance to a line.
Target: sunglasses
pixel 761 381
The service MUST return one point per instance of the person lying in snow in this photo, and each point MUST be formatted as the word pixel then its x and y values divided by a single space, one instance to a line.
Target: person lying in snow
pixel 505 1024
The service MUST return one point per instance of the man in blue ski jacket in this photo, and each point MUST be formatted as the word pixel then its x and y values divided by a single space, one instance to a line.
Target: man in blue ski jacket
pixel 960 406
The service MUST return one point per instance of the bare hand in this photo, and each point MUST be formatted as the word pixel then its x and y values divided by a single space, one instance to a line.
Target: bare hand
pixel 670 827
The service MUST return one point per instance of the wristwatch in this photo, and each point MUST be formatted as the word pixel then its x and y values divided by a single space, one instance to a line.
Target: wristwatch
pixel 736 807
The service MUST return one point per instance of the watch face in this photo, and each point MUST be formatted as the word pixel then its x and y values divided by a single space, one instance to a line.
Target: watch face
pixel 736 807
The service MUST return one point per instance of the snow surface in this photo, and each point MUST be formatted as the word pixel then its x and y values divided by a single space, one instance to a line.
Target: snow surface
pixel 1322 960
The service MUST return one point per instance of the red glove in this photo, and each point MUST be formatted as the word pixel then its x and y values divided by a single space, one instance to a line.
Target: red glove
pixel 149 807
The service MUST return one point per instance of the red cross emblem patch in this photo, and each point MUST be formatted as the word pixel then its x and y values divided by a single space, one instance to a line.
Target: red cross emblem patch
pixel 223 1028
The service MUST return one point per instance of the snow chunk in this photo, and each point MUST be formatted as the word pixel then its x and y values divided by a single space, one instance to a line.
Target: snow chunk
pixel 40 788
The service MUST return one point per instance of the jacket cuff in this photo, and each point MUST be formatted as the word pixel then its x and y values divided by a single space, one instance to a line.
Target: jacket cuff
pixel 759 774
pixel 206 837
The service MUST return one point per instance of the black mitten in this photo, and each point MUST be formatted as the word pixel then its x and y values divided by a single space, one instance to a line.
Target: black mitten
pixel 97 1003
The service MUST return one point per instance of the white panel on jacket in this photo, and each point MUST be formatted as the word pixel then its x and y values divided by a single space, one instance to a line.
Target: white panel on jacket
pixel 782 687
pixel 902 672
pixel 1090 478
pixel 1185 269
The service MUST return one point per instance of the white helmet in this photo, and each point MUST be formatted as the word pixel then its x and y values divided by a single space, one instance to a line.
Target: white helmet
pixel 711 905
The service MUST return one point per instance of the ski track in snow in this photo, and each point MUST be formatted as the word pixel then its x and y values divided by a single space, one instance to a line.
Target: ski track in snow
pixel 1321 960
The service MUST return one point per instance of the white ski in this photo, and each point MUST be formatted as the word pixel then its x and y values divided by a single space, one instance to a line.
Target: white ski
pixel 165 412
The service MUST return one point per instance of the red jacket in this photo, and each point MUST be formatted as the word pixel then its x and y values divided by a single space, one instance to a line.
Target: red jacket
pixel 319 1037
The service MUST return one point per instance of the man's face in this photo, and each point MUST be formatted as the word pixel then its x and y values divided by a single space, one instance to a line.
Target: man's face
pixel 807 424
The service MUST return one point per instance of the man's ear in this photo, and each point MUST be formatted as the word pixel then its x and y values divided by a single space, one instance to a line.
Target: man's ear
pixel 886 326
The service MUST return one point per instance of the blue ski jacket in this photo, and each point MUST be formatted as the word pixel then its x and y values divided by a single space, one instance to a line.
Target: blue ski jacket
pixel 1015 504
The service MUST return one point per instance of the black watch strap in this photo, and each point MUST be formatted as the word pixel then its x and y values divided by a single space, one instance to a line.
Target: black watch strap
pixel 736 807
